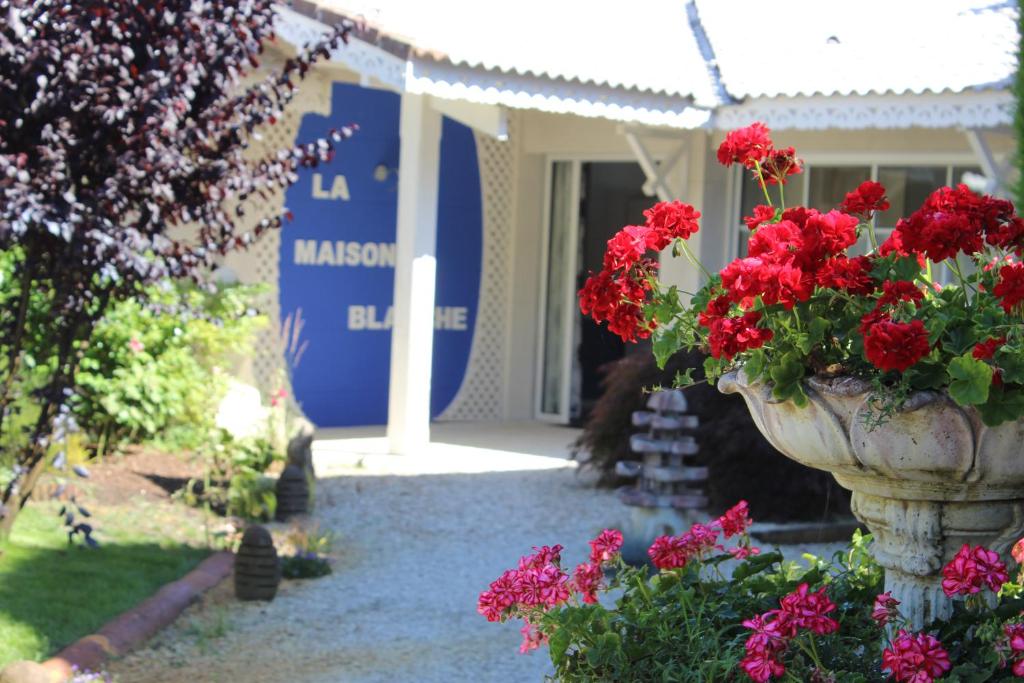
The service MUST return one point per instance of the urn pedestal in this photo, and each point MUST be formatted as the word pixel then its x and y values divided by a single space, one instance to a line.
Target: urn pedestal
pixel 928 480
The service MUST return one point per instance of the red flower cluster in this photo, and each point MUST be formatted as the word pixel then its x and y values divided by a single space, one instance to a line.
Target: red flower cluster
pixel 746 146
pixel 1010 288
pixel 784 258
pixel 971 569
pixel 778 164
pixel 730 336
pixel 673 552
pixel 736 520
pixel 801 609
pixel 896 346
pixel 762 214
pixel 616 295
pixel 954 220
pixel 919 658
pixel 868 198
pixel 752 147
pixel 987 349
pixel 885 609
pixel 851 275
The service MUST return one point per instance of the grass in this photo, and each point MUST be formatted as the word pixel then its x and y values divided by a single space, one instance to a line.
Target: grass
pixel 51 593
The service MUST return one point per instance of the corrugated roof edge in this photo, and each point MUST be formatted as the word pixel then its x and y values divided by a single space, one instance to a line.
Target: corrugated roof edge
pixel 404 49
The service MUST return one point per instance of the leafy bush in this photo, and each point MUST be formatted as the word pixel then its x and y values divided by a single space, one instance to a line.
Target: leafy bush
pixel 825 621
pixel 154 366
pixel 234 482
pixel 742 464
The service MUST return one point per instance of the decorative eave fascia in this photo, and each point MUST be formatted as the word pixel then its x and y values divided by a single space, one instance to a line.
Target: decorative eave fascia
pixel 968 109
pixel 395 65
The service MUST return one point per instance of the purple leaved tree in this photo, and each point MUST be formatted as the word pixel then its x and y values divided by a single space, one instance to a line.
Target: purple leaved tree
pixel 123 125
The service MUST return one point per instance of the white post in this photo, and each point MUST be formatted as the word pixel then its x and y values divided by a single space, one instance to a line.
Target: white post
pixel 412 336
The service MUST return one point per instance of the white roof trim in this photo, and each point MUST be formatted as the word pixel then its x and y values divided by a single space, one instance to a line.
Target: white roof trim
pixel 984 109
pixel 366 60
pixel 460 82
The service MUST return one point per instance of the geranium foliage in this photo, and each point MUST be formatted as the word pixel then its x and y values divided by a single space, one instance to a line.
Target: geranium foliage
pixel 124 160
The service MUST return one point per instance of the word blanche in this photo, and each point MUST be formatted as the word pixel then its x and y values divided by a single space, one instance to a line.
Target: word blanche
pixel 338 253
pixel 445 318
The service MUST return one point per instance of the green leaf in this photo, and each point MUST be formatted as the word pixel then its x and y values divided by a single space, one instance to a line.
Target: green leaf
pixel 754 365
pixel 685 378
pixel 666 343
pixel 558 643
pixel 970 380
pixel 787 374
pixel 1003 405
pixel 755 565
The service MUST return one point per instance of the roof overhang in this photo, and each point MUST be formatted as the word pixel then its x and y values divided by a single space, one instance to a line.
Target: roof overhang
pixel 392 64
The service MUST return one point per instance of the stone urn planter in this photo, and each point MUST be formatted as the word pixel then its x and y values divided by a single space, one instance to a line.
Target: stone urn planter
pixel 927 481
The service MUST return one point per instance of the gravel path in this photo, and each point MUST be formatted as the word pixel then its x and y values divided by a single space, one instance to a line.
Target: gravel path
pixel 415 552
pixel 417 539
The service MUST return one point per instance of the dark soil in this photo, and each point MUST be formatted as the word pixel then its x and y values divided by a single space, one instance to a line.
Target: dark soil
pixel 140 472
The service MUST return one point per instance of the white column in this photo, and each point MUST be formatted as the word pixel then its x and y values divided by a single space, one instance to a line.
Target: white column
pixel 412 336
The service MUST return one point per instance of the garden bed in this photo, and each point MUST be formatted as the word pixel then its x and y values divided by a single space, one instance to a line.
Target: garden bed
pixel 54 593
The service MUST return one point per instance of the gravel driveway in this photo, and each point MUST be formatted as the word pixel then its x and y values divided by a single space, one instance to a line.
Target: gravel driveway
pixel 418 539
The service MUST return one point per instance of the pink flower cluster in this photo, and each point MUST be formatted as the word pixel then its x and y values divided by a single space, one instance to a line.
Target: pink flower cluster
pixel 918 658
pixel 971 569
pixel 772 631
pixel 674 552
pixel 1015 644
pixel 886 608
pixel 539 584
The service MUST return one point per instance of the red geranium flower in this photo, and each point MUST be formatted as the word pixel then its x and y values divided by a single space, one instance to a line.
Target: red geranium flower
pixel 865 200
pixel 919 658
pixel 745 146
pixel 736 520
pixel 896 346
pixel 991 569
pixel 1010 289
pixel 762 214
pixel 672 219
pixel 730 336
pixel 852 275
pixel 778 164
pixel 986 349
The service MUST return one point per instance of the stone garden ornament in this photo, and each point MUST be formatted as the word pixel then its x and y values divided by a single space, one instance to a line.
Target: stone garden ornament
pixel 909 390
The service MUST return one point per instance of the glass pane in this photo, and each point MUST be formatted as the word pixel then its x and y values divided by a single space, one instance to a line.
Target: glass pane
pixel 829 184
pixel 907 187
pixel 556 295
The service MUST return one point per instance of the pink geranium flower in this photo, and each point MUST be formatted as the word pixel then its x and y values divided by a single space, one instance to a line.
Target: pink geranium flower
pixel 606 546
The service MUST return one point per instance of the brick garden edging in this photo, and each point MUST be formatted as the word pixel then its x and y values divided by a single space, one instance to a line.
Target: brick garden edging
pixel 132 628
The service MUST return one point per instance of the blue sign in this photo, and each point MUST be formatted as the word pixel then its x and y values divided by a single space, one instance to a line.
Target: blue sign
pixel 338 255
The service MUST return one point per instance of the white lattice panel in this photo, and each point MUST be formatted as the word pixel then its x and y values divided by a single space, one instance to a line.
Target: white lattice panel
pixel 481 396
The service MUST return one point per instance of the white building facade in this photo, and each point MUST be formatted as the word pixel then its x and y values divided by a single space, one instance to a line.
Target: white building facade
pixel 430 271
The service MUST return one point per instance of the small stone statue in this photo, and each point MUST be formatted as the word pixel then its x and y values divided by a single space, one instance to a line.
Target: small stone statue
pixel 257 568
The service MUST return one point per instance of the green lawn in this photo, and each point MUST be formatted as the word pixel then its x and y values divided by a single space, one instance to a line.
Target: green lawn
pixel 51 593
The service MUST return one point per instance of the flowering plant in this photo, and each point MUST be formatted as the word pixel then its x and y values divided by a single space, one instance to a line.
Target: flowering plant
pixel 772 620
pixel 800 302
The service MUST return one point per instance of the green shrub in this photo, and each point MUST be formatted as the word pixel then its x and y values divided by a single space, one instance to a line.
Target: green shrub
pixel 154 368
pixel 234 482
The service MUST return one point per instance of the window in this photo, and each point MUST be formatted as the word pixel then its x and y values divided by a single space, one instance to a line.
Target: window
pixel 907 186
